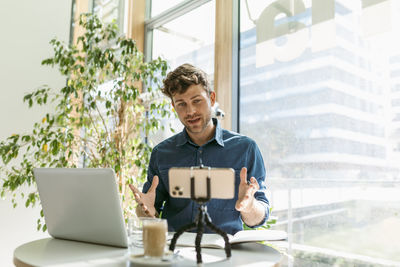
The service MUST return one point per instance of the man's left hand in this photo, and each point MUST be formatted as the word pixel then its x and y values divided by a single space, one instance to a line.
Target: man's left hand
pixel 246 192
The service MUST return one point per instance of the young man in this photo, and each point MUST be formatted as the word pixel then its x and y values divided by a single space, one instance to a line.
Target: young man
pixel 203 141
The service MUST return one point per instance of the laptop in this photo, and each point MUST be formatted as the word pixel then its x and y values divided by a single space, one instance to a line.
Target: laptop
pixel 82 205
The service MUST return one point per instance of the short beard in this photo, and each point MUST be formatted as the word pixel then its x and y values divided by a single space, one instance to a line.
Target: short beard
pixel 206 122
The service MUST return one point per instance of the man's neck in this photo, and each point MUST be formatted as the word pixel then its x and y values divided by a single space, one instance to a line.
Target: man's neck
pixel 204 136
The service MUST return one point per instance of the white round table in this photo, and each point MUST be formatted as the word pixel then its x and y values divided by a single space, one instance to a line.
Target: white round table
pixel 64 253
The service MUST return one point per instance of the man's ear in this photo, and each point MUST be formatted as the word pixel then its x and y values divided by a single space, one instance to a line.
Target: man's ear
pixel 212 98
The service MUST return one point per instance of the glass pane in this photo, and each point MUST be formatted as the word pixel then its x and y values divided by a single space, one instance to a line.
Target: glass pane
pixel 185 40
pixel 159 6
pixel 110 10
pixel 320 94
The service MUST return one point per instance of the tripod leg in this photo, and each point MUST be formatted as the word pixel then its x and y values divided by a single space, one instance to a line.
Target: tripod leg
pixel 177 234
pixel 220 232
pixel 200 229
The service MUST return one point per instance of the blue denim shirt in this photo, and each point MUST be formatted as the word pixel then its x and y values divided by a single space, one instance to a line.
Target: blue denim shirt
pixel 226 150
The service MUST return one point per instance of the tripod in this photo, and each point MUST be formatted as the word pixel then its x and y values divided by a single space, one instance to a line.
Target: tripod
pixel 201 219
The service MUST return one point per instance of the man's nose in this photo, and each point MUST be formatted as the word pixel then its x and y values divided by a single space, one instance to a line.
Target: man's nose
pixel 190 110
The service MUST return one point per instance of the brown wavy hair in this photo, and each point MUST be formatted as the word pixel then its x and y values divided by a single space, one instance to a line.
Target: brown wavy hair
pixel 180 79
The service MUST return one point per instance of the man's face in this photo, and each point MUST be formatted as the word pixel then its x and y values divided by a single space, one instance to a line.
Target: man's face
pixel 194 108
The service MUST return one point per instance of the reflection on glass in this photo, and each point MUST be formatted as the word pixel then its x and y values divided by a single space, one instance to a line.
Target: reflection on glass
pixel 187 39
pixel 318 90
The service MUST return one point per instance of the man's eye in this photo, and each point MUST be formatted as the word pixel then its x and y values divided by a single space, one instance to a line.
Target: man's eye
pixel 181 104
pixel 196 101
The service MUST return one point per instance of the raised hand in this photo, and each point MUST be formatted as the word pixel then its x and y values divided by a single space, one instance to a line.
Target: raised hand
pixel 146 201
pixel 246 192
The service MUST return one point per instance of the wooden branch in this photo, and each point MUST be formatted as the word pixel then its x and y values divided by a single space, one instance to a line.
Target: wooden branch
pixel 104 123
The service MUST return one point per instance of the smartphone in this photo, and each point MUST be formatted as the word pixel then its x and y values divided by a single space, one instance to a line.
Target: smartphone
pixel 222 182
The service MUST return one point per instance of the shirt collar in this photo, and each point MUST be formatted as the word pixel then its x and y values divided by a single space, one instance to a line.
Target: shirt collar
pixel 184 138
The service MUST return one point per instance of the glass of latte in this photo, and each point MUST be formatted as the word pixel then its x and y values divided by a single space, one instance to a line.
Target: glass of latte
pixel 154 237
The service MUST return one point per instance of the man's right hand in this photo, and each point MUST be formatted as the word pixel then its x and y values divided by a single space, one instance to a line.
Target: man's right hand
pixel 146 201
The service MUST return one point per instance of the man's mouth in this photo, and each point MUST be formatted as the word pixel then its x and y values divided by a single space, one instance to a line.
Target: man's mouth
pixel 193 121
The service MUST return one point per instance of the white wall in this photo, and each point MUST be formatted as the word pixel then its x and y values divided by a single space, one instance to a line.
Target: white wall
pixel 26 27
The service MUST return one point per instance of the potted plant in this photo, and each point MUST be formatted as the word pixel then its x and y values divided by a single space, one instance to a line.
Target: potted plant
pixel 101 116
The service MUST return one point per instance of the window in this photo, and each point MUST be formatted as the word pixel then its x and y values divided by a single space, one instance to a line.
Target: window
pixel 183 38
pixel 110 10
pixel 318 84
pixel 159 6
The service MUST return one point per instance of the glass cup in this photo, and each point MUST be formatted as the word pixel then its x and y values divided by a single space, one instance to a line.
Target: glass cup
pixel 154 237
pixel 135 234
